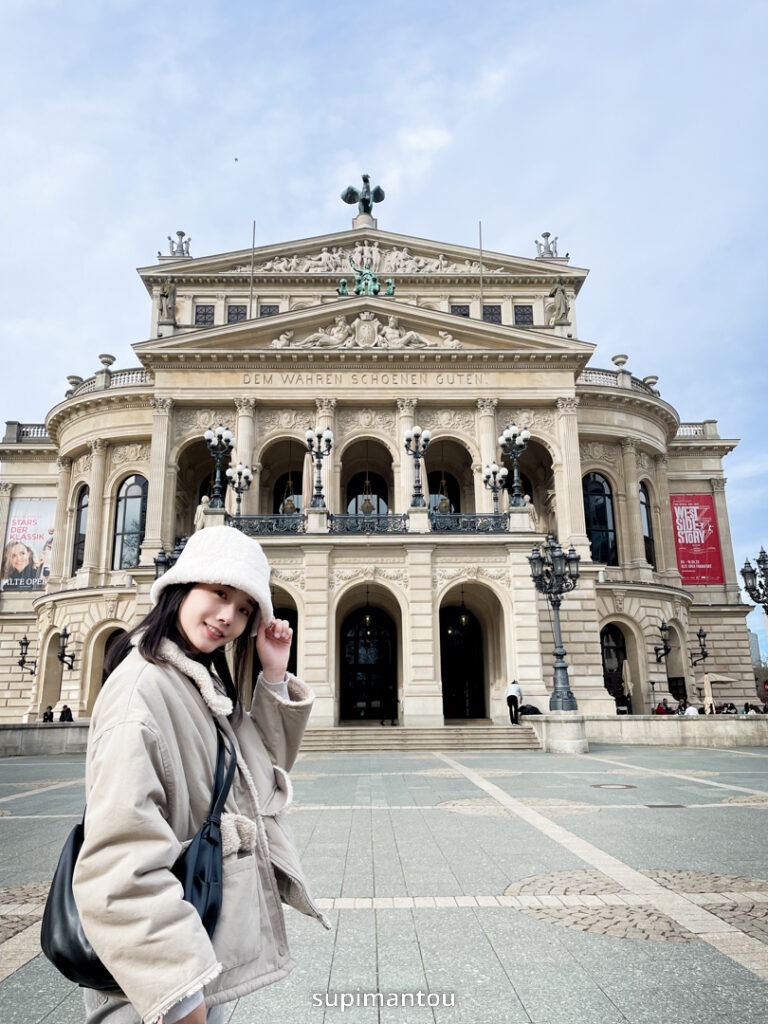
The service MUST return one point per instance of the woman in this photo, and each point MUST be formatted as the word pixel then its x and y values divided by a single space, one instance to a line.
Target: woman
pixel 18 565
pixel 149 771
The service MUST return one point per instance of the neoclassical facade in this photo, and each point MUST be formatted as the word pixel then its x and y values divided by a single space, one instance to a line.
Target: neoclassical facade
pixel 409 614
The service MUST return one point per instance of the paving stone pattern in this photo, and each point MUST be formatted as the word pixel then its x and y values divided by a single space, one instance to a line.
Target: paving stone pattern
pixel 523 885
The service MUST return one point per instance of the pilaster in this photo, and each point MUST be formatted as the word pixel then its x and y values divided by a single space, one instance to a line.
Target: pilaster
pixel 326 420
pixel 406 417
pixel 667 565
pixel 158 496
pixel 726 545
pixel 634 548
pixel 571 526
pixel 487 437
pixel 60 546
pixel 422 690
pixel 94 528
pixel 244 436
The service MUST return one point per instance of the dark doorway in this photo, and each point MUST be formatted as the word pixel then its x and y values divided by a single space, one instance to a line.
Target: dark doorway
pixel 461 658
pixel 368 683
pixel 110 642
pixel 614 653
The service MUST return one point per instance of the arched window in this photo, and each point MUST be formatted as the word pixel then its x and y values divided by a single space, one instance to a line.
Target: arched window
pixel 130 517
pixel 598 513
pixel 81 524
pixel 645 516
pixel 444 491
pixel 367 494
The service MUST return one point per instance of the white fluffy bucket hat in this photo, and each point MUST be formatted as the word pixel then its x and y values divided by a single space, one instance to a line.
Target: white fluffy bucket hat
pixel 222 554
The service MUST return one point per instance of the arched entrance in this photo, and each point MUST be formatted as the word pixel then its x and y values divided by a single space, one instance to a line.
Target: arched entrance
pixel 368 667
pixel 614 653
pixel 462 663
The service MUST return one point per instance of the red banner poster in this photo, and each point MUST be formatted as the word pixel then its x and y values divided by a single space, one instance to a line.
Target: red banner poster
pixel 697 539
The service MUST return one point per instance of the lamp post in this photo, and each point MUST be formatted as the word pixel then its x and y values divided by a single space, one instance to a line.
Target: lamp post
pixel 757 589
pixel 23 648
pixel 165 560
pixel 219 440
pixel 664 650
pixel 319 445
pixel 709 704
pixel 513 442
pixel 239 478
pixel 494 480
pixel 703 654
pixel 64 658
pixel 555 573
pixel 416 444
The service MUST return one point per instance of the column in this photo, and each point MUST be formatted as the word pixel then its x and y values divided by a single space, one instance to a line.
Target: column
pixel 157 490
pixel 93 530
pixel 406 417
pixel 60 532
pixel 326 420
pixel 571 526
pixel 5 507
pixel 487 436
pixel 634 549
pixel 726 545
pixel 666 553
pixel 245 433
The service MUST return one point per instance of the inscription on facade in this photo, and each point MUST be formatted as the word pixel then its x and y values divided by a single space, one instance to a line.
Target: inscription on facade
pixel 367 379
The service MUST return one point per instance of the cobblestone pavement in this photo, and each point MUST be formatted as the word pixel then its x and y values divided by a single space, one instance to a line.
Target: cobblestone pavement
pixel 627 886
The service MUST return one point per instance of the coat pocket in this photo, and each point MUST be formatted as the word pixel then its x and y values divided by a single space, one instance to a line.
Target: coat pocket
pixel 240 931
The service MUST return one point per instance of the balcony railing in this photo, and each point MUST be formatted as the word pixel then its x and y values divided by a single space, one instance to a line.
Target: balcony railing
pixel 265 526
pixel 368 524
pixel 460 522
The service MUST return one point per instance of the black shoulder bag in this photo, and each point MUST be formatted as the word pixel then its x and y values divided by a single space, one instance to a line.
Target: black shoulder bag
pixel 199 869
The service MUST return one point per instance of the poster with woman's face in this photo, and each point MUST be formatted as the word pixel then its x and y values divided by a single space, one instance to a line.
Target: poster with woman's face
pixel 28 542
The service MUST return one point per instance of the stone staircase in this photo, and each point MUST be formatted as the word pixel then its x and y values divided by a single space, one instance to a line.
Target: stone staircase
pixel 403 740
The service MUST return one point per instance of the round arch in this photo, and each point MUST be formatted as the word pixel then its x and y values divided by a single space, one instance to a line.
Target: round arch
pixel 633 675
pixel 96 647
pixel 368 674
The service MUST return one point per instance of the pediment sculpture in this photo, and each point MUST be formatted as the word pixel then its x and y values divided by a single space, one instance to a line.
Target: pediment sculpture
pixel 367 331
pixel 381 260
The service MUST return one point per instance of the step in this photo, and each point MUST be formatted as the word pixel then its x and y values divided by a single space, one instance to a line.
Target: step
pixel 387 738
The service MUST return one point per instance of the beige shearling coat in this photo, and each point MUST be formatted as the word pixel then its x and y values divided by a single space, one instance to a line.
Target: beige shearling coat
pixel 149 775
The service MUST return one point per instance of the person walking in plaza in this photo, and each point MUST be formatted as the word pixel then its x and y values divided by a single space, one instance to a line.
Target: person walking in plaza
pixel 514 695
pixel 152 748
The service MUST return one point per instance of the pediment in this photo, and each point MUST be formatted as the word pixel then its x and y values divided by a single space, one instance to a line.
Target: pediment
pixel 388 254
pixel 358 328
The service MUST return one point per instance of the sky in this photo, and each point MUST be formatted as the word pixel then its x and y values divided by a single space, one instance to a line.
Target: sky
pixel 634 130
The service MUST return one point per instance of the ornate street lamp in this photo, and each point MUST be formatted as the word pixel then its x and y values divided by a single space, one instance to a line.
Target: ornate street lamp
pixel 319 445
pixel 416 444
pixel 64 658
pixel 31 667
pixel 703 654
pixel 165 560
pixel 219 440
pixel 757 590
pixel 513 442
pixel 664 650
pixel 239 478
pixel 494 480
pixel 555 573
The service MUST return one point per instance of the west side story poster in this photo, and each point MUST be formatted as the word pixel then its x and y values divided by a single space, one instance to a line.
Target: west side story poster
pixel 697 539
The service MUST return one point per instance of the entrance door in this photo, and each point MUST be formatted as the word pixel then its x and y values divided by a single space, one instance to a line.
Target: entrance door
pixel 614 652
pixel 462 666
pixel 368 683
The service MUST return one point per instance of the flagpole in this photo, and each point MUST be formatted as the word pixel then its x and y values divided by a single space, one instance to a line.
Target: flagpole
pixel 480 239
pixel 253 252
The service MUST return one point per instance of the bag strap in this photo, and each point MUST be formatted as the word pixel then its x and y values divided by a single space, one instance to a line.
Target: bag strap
pixel 222 782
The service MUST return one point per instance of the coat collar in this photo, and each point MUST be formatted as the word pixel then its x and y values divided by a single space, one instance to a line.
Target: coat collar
pixel 217 702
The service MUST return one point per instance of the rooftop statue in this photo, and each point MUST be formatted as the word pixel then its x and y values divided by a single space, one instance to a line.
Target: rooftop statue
pixel 366 197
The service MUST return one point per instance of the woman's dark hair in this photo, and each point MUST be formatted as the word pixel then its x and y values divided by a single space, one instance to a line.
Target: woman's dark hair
pixel 162 623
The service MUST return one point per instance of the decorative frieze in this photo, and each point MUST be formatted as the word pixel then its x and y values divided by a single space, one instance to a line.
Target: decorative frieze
pixel 596 451
pixel 122 454
pixel 286 420
pixel 349 421
pixel 365 332
pixel 188 422
pixel 538 421
pixel 380 259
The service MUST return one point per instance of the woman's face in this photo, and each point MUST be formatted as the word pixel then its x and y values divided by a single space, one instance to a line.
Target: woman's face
pixel 21 557
pixel 213 615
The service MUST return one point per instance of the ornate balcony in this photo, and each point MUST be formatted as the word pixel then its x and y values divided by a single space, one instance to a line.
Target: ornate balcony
pixel 459 522
pixel 266 526
pixel 367 524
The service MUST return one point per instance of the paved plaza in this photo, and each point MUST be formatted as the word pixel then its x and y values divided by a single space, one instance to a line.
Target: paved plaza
pixel 626 885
